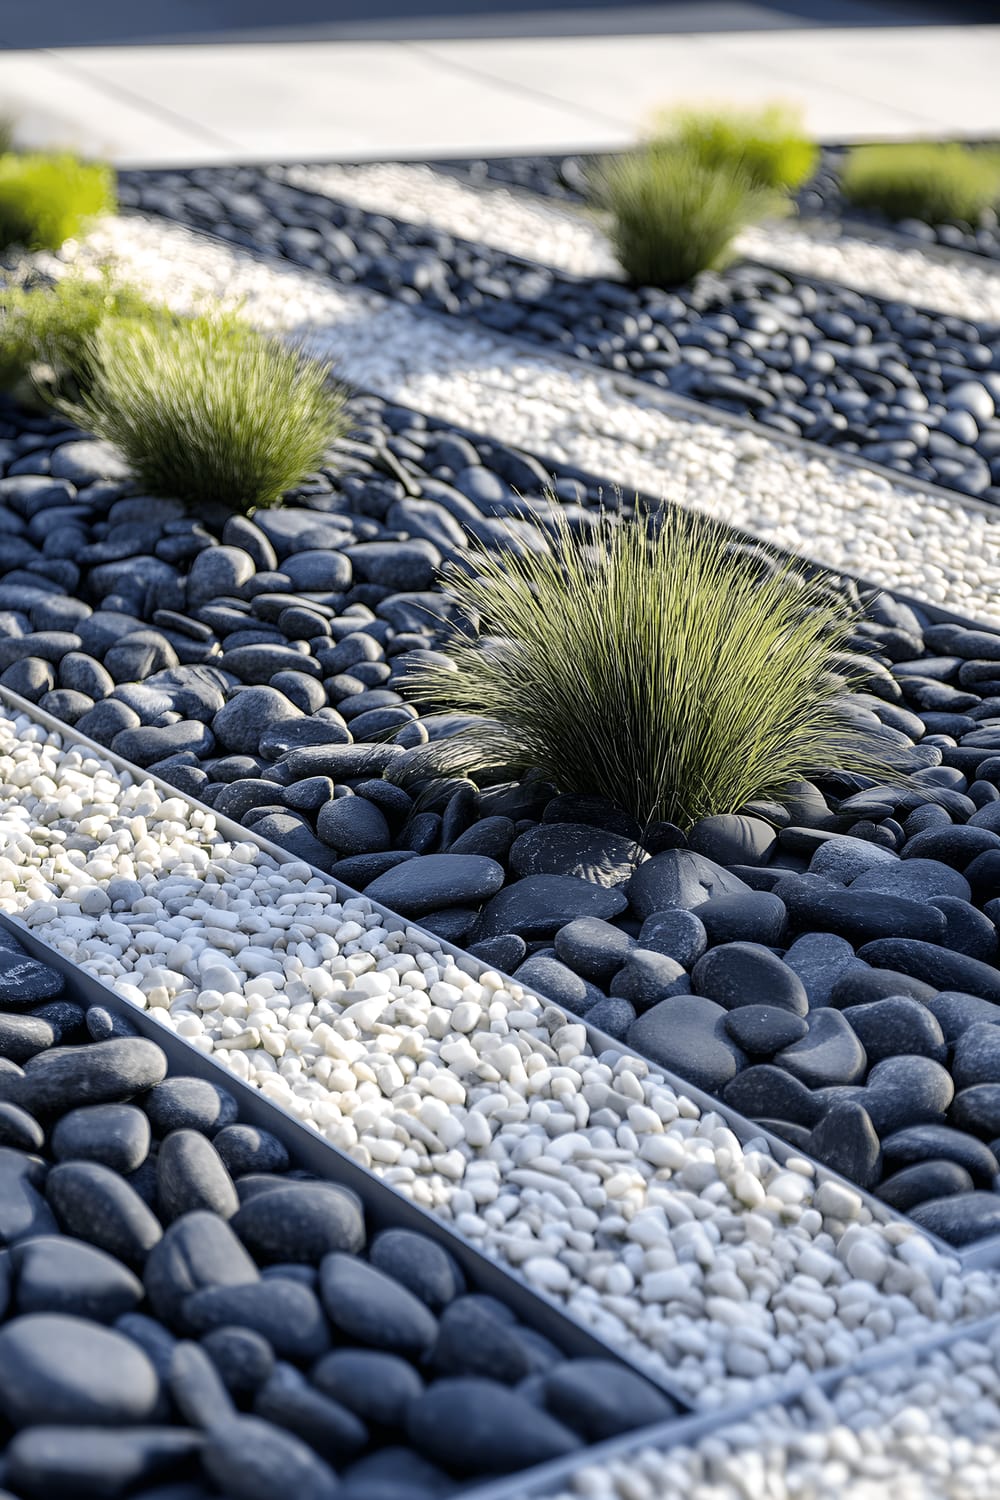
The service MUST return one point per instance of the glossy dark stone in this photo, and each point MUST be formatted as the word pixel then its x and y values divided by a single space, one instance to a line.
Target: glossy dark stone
pixel 737 974
pixel 419 1263
pixel 58 1274
pixel 477 1426
pixel 300 1221
pixel 897 1024
pixel 366 1306
pixel 56 1368
pixel 97 1205
pixel 846 1140
pixel 687 1035
pixel 115 1135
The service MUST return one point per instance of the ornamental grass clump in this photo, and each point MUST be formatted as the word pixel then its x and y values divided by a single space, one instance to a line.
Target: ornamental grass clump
pixel 938 184
pixel 46 327
pixel 672 215
pixel 209 410
pixel 46 199
pixel 651 664
pixel 769 143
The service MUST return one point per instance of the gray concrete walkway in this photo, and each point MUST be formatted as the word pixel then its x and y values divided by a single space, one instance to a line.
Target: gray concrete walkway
pixel 332 99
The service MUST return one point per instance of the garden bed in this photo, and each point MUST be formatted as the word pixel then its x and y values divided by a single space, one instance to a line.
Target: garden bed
pixel 203 1291
pixel 809 359
pixel 256 666
pixel 717 1102
pixel 564 178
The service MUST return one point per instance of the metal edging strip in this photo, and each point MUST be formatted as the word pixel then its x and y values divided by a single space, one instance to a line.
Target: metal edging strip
pixel 984 1253
pixel 385 1206
pixel 545 1479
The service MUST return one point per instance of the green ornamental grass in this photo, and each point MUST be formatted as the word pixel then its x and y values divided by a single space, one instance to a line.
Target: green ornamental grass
pixel 939 184
pixel 651 665
pixel 769 143
pixel 209 410
pixel 672 216
pixel 47 199
pixel 48 326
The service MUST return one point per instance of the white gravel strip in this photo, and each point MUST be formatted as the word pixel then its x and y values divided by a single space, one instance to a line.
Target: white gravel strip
pixel 841 515
pixel 574 241
pixel 590 1176
pixel 899 1433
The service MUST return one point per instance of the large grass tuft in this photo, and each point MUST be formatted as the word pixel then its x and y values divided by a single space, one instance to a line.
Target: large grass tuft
pixel 651 665
pixel 671 215
pixel 45 200
pixel 46 327
pixel 939 184
pixel 768 143
pixel 209 410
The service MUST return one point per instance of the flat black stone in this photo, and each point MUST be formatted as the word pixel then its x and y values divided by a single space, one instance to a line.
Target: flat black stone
pixel 300 1222
pixel 538 905
pixel 919 1143
pixel 190 1104
pixel 366 1306
pixel 191 1175
pixel 198 1250
pixel 102 1463
pixel 647 977
pixel 593 854
pixel 905 1091
pixel 820 959
pixel 60 1369
pixel 830 1053
pixel 62 1275
pixel 250 1148
pixel 679 877
pixel 763 1091
pixel 846 1141
pixel 331 1430
pixel 915 879
pixel 687 1035
pixel 419 1263
pixel 116 1135
pixel 281 1310
pixel 25 982
pixel 599 1399
pixel 435 881
pixel 861 985
pixel 737 974
pixel 863 916
pixel 252 1458
pixel 977 1056
pixel 923 1181
pixel 101 1073
pixel 592 948
pixel 978 1108
pixel 679 934
pixel 936 966
pixel 754 917
pixel 377 1387
pixel 472 1425
pixel 960 1219
pixel 897 1024
pixel 762 1030
pixel 98 1206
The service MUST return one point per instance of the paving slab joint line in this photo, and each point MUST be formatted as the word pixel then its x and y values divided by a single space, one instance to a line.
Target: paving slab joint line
pixel 644 393
pixel 981 1254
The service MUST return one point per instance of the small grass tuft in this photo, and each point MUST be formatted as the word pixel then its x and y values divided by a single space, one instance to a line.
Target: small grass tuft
pixel 672 216
pixel 937 183
pixel 45 199
pixel 654 665
pixel 47 326
pixel 209 410
pixel 769 143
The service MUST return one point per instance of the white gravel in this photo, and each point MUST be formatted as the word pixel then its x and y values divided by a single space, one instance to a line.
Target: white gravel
pixel 919 1429
pixel 573 240
pixel 589 1176
pixel 843 516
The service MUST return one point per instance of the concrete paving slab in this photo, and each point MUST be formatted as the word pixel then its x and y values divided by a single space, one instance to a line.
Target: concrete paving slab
pixel 630 78
pixel 160 105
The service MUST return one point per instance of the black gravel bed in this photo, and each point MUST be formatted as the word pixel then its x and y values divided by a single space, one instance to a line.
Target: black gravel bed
pixel 564 178
pixel 180 1303
pixel 894 383
pixel 827 965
